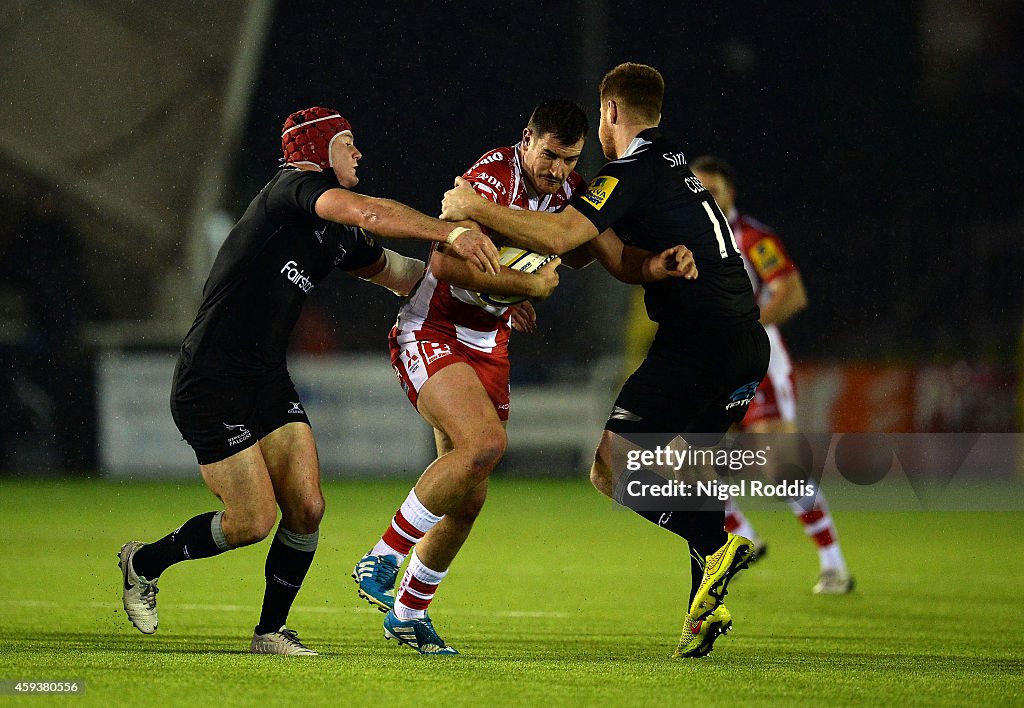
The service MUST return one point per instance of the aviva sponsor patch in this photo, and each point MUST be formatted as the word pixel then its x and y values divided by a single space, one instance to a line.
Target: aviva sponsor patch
pixel 599 189
pixel 766 257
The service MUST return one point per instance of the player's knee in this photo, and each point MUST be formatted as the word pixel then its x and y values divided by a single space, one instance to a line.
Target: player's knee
pixel 601 477
pixel 488 449
pixel 254 526
pixel 306 519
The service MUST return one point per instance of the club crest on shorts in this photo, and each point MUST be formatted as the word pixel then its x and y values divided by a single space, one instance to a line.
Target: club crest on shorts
pixel 241 433
pixel 296 407
pixel 742 396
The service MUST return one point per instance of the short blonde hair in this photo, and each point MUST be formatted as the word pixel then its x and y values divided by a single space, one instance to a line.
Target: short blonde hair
pixel 638 87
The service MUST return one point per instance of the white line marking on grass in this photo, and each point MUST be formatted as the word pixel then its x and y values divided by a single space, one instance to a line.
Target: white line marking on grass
pixel 192 607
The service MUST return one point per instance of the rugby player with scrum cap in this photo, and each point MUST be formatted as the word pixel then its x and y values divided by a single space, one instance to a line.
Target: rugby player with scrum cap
pixel 232 397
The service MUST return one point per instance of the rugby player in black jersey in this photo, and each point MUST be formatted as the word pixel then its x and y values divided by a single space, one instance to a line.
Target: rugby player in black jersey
pixel 232 397
pixel 710 351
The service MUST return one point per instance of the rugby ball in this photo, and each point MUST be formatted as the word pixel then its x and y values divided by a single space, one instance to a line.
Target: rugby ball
pixel 517 259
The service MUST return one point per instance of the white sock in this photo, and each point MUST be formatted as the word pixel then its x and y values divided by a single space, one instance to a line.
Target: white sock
pixel 409 524
pixel 416 589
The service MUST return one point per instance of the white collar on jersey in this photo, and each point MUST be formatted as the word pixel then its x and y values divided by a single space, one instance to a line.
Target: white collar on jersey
pixel 635 146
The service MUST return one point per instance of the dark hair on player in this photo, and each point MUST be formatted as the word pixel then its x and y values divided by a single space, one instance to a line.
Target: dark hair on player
pixel 716 166
pixel 638 87
pixel 563 120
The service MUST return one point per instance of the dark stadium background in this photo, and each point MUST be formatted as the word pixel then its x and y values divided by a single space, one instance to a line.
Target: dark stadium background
pixel 881 139
pixel 892 195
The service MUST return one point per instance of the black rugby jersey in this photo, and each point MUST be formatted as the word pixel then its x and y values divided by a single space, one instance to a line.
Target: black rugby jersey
pixel 273 257
pixel 653 201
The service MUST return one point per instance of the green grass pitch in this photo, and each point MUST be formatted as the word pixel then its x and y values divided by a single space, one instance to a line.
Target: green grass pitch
pixel 556 599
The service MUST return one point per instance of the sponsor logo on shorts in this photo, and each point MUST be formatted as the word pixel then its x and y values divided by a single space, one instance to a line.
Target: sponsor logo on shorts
pixel 742 396
pixel 435 350
pixel 599 189
pixel 412 362
pixel 241 434
pixel 296 407
pixel 296 276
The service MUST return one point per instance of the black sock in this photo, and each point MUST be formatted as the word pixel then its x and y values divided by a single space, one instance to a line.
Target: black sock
pixel 199 537
pixel 288 560
pixel 704 530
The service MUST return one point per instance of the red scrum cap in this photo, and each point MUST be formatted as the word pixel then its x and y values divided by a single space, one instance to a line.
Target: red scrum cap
pixel 307 135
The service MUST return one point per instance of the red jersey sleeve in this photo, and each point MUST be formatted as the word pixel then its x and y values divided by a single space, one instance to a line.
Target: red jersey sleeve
pixel 764 249
pixel 492 175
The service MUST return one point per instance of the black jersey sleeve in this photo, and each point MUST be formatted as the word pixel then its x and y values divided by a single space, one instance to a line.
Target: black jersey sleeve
pixel 357 249
pixel 614 192
pixel 298 190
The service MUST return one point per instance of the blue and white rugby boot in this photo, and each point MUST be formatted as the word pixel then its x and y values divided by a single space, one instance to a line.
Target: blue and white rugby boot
pixel 375 576
pixel 416 633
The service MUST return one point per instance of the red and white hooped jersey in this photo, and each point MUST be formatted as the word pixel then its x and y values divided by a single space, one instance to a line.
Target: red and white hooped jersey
pixel 765 259
pixel 438 309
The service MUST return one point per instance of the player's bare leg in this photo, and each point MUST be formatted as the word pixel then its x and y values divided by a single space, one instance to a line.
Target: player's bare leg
pixel 443 542
pixel 290 454
pixel 243 484
pixel 454 402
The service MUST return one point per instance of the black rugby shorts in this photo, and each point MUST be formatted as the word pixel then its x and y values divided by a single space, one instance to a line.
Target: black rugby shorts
pixel 694 384
pixel 221 416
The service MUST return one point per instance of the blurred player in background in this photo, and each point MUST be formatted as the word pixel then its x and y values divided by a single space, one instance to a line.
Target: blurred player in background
pixel 781 295
pixel 450 351
pixel 710 351
pixel 233 399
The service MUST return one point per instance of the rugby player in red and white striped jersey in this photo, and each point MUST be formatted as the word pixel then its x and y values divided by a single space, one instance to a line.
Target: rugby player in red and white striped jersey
pixel 450 352
pixel 780 294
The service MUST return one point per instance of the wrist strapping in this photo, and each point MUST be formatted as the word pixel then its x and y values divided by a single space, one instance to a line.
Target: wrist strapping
pixel 399 274
pixel 454 234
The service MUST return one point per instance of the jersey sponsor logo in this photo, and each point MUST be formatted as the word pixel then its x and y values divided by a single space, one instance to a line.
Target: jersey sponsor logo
pixel 487 159
pixel 675 158
pixel 435 350
pixel 694 185
pixel 742 396
pixel 490 180
pixel 241 434
pixel 766 257
pixel 599 189
pixel 296 276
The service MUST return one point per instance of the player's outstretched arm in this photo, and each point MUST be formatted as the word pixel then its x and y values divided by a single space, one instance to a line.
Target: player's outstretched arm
pixel 538 231
pixel 506 281
pixel 635 265
pixel 393 271
pixel 391 219
pixel 787 297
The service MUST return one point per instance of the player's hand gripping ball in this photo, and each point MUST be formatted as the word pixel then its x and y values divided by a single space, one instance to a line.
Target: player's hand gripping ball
pixel 517 259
